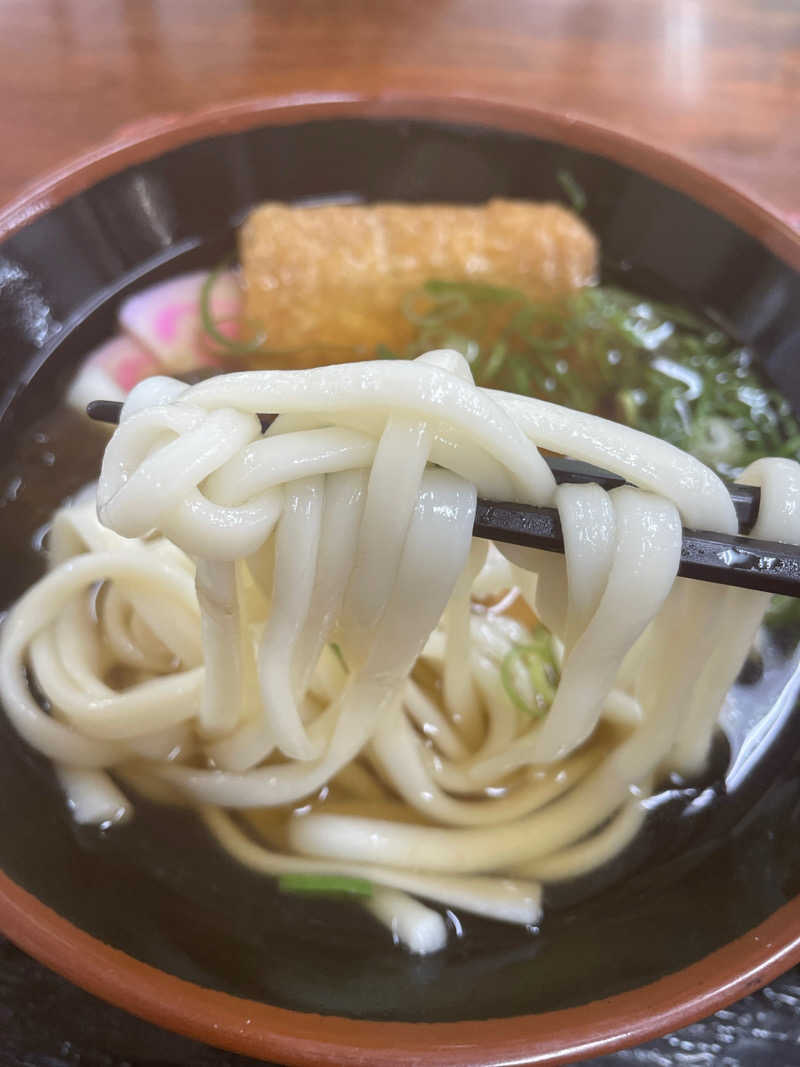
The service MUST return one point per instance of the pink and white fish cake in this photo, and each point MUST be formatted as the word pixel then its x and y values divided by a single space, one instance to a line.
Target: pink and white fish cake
pixel 167 319
pixel 111 371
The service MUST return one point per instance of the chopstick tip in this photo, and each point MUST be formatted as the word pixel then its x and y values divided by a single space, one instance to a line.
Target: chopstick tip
pixel 104 410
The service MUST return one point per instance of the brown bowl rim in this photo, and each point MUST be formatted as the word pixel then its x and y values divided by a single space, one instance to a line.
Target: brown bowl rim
pixel 151 137
pixel 299 1038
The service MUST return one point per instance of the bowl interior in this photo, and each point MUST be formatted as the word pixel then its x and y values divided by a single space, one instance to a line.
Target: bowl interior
pixel 718 856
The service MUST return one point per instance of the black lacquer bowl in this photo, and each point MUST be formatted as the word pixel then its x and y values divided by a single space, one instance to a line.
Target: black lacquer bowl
pixel 151 916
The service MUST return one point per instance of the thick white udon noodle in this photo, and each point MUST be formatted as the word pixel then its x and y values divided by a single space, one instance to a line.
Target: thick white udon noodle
pixel 231 560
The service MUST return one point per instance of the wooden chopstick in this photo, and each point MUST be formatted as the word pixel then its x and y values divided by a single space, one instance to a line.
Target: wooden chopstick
pixel 710 557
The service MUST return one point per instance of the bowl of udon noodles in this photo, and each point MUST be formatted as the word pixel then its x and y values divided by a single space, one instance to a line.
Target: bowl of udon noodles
pixel 293 763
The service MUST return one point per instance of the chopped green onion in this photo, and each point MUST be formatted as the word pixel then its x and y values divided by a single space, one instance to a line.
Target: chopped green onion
pixel 784 613
pixel 325 885
pixel 338 653
pixel 628 407
pixel 497 358
pixel 575 193
pixel 599 349
pixel 522 376
pixel 604 350
pixel 238 348
pixel 537 657
pixel 714 440
pixel 463 292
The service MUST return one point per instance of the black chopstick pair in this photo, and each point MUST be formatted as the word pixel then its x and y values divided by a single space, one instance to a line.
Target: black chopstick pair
pixel 710 557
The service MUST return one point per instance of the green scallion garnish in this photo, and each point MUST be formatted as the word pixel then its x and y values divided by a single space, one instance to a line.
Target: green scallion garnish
pixel 575 193
pixel 331 885
pixel 659 368
pixel 210 326
pixel 338 653
pixel 654 366
pixel 538 661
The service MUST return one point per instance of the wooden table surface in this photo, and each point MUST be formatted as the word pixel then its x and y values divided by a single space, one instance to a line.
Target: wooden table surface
pixel 717 81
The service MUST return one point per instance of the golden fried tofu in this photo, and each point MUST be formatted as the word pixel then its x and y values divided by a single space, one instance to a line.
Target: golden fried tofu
pixel 336 275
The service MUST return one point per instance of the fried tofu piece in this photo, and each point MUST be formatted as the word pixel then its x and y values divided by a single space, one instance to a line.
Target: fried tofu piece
pixel 336 275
